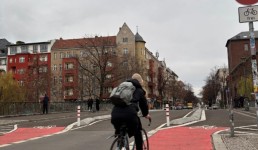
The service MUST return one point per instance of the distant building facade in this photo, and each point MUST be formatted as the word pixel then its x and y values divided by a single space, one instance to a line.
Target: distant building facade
pixel 30 65
pixel 239 61
pixel 3 54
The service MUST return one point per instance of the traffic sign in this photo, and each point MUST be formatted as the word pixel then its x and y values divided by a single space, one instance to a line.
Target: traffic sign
pixel 248 14
pixel 247 2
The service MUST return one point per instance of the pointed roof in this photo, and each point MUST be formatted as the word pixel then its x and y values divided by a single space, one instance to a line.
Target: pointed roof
pixel 138 38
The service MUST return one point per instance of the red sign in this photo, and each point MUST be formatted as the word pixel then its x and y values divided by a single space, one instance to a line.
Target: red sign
pixel 247 2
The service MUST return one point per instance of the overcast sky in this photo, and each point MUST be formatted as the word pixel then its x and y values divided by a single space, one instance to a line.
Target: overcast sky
pixel 189 34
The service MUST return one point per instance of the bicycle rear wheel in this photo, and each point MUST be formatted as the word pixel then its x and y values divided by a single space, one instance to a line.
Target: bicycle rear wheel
pixel 145 145
pixel 120 144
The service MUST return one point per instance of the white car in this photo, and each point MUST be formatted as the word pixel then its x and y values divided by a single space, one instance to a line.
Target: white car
pixel 215 106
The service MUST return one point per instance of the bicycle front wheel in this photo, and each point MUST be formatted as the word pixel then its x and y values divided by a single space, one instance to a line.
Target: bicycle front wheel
pixel 120 144
pixel 145 145
pixel 145 140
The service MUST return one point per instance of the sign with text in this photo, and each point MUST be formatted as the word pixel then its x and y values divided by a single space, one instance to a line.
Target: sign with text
pixel 248 14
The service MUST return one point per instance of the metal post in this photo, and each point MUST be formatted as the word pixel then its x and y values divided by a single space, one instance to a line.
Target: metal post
pixel 167 115
pixel 254 66
pixel 78 115
pixel 231 116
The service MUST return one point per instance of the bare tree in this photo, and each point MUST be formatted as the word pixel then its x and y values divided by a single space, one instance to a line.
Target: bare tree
pixel 99 64
pixel 38 78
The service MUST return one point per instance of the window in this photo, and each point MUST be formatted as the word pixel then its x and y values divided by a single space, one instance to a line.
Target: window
pixel 246 47
pixel 60 67
pixel 125 51
pixel 24 49
pixel 21 83
pixel 69 79
pixel 108 76
pixel 109 64
pixel 21 59
pixel 61 55
pixel 125 63
pixel 113 51
pixel 55 80
pixel 13 50
pixel 44 69
pixel 70 92
pixel 43 48
pixel 125 40
pixel 54 55
pixel 60 79
pixel 68 54
pixel 43 58
pixel 35 48
pixel 21 71
pixel 3 62
pixel 11 60
pixel 54 68
pixel 69 66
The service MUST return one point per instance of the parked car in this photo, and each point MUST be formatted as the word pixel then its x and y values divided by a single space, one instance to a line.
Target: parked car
pixel 179 107
pixel 215 106
pixel 185 107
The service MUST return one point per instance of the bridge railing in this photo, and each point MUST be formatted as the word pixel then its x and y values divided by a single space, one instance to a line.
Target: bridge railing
pixel 29 108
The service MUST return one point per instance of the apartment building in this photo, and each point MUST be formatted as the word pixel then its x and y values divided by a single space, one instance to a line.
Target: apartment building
pixel 3 54
pixel 30 65
pixel 239 60
pixel 129 55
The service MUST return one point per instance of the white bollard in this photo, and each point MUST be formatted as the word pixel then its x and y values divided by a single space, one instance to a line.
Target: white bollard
pixel 167 115
pixel 78 115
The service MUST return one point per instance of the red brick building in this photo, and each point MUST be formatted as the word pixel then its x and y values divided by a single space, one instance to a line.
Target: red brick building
pixel 239 60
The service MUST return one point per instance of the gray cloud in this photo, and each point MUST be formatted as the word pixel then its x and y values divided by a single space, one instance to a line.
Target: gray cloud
pixel 189 35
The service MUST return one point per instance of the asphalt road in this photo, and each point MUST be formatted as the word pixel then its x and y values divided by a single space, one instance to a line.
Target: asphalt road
pixel 88 137
pixel 94 136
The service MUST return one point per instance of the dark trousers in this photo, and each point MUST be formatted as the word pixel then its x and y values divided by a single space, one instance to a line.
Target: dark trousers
pixel 45 108
pixel 133 124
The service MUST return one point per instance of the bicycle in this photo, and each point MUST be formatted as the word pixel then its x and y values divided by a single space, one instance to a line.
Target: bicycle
pixel 250 11
pixel 121 141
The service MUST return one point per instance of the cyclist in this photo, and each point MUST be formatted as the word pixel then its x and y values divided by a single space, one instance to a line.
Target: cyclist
pixel 128 114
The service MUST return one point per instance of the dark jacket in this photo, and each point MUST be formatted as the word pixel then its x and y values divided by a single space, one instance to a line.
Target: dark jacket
pixel 45 100
pixel 139 100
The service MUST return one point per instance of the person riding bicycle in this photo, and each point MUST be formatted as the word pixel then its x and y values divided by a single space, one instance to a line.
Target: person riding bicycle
pixel 128 114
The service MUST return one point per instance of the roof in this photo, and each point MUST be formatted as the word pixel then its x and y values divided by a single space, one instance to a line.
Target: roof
pixel 3 43
pixel 3 47
pixel 242 36
pixel 80 43
pixel 22 43
pixel 138 38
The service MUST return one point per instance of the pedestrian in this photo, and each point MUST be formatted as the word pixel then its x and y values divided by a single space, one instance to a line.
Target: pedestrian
pixel 97 104
pixel 45 104
pixel 90 102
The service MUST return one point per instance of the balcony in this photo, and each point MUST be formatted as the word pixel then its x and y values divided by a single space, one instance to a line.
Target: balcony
pixel 69 84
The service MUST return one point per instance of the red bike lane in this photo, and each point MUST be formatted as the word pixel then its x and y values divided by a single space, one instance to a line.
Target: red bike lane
pixel 23 134
pixel 184 138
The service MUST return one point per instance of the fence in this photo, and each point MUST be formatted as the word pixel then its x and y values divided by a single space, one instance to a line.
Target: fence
pixel 29 108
